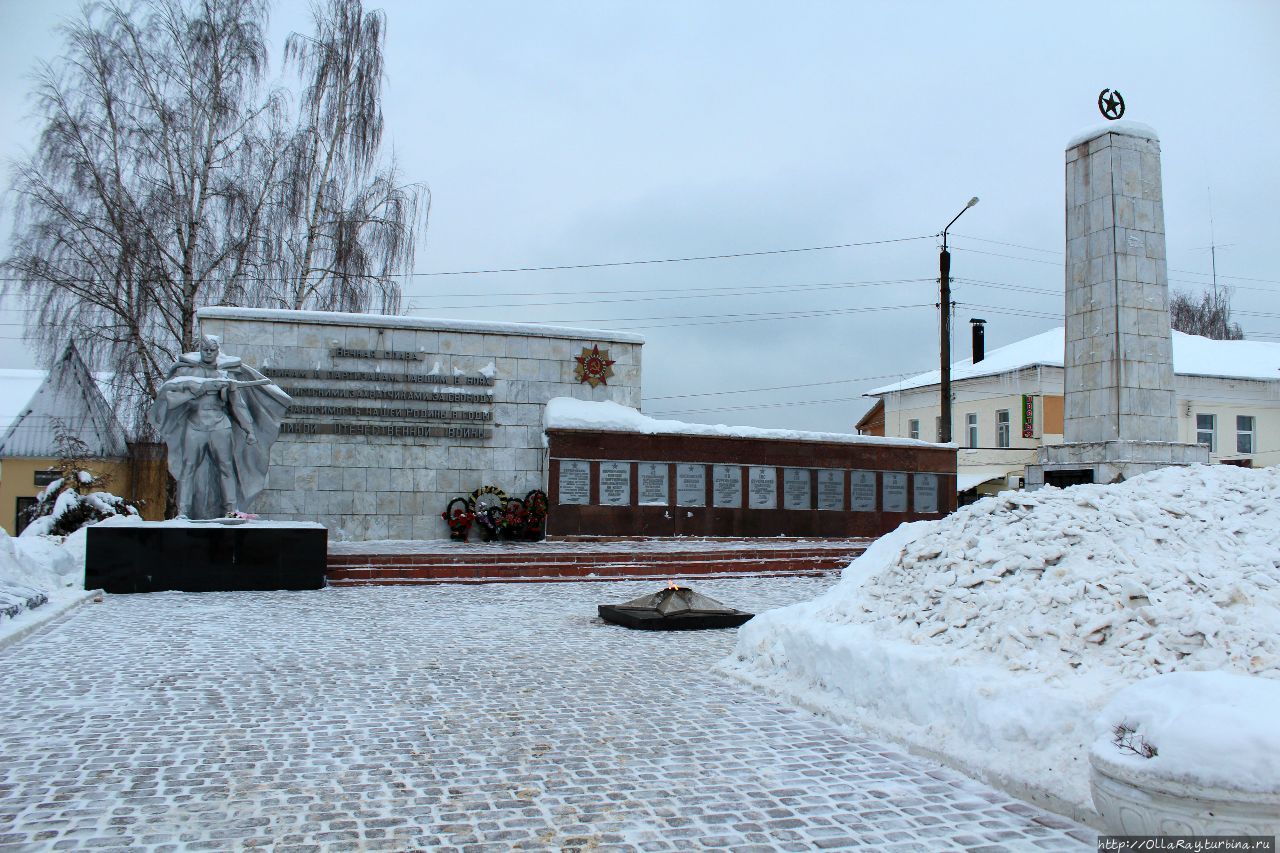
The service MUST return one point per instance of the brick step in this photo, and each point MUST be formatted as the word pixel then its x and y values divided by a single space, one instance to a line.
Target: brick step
pixel 363 569
pixel 584 558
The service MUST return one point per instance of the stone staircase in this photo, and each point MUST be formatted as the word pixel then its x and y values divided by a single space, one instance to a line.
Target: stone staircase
pixel 352 564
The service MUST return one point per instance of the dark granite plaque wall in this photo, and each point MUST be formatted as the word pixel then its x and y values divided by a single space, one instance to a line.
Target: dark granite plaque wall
pixel 682 485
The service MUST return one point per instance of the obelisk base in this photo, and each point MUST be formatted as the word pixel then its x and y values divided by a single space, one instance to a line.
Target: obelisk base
pixel 1108 461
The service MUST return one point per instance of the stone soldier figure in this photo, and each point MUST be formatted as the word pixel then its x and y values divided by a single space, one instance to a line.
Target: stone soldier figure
pixel 219 418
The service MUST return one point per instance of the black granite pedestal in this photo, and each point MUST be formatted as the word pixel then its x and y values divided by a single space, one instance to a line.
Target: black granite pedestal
pixel 209 557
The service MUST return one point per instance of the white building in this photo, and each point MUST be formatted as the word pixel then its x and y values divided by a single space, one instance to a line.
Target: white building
pixel 1010 403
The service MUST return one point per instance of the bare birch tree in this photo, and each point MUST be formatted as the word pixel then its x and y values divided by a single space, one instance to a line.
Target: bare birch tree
pixel 168 178
pixel 345 225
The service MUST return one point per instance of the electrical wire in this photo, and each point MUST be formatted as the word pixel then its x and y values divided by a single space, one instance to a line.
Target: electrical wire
pixel 719 319
pixel 783 387
pixel 561 267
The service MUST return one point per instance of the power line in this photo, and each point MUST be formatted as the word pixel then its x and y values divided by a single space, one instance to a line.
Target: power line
pixel 1059 253
pixel 1015 312
pixel 1000 285
pixel 685 259
pixel 1002 243
pixel 683 293
pixel 559 267
pixel 750 407
pixel 719 319
pixel 782 387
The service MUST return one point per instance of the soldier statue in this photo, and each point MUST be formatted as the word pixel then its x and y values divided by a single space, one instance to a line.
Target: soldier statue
pixel 219 418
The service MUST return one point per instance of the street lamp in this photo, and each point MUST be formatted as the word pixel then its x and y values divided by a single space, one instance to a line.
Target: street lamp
pixel 944 268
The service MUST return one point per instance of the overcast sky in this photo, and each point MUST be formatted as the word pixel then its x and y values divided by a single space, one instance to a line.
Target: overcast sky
pixel 558 134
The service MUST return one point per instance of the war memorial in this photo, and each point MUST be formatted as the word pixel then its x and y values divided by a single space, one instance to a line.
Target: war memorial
pixel 392 418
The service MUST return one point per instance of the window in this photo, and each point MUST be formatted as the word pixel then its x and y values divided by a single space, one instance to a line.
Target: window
pixel 1002 428
pixel 1244 433
pixel 913 428
pixel 1205 431
pixel 971 427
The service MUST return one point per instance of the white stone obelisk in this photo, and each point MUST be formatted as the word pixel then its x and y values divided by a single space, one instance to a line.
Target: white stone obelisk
pixel 1120 401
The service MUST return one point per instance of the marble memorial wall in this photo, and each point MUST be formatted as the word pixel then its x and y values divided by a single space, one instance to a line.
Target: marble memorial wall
pixel 394 416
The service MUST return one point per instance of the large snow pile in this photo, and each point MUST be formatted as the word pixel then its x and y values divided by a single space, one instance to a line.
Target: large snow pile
pixel 1174 570
pixel 994 636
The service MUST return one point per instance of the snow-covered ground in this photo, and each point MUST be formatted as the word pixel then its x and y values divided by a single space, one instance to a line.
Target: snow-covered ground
pixel 994 637
pixel 40 577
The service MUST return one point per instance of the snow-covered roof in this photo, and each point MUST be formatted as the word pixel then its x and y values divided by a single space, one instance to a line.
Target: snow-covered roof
pixel 67 398
pixel 430 324
pixel 968 478
pixel 16 388
pixel 571 413
pixel 1192 356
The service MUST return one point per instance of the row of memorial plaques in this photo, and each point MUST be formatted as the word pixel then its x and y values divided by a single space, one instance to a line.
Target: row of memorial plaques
pixel 652 487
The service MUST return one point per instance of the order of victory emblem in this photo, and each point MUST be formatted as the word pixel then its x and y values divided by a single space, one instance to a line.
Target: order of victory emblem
pixel 594 366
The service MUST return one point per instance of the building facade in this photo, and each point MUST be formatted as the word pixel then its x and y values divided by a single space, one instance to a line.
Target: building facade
pixel 1010 404
pixel 68 403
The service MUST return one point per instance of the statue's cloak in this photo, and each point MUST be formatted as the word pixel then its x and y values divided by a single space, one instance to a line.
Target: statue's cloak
pixel 266 405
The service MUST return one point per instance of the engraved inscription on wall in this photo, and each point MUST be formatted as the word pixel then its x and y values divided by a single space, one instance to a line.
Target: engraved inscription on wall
pixel 393 403
pixel 575 481
pixel 691 485
pixel 795 488
pixel 925 489
pixel 726 486
pixel 863 485
pixel 615 483
pixel 762 487
pixel 652 483
pixel 895 492
pixel 831 489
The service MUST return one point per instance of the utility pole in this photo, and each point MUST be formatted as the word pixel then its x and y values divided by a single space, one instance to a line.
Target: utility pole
pixel 944 305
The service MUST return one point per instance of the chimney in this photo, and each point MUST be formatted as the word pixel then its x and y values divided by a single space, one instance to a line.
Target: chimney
pixel 979 339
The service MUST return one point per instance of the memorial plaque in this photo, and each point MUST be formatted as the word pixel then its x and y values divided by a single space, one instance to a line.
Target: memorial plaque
pixel 726 486
pixel 831 490
pixel 762 487
pixel 575 481
pixel 615 483
pixel 795 489
pixel 691 485
pixel 925 487
pixel 653 483
pixel 864 491
pixel 895 492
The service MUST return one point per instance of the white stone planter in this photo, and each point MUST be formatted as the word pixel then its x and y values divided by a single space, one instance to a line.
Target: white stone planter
pixel 1134 802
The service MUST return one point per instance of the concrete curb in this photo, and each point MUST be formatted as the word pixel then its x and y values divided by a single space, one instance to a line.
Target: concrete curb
pixel 46 619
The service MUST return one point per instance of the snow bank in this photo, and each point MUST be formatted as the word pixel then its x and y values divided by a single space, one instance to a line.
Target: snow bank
pixel 39 578
pixel 994 637
pixel 571 413
pixel 1207 728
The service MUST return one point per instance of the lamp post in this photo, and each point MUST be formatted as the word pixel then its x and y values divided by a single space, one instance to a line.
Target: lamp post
pixel 944 269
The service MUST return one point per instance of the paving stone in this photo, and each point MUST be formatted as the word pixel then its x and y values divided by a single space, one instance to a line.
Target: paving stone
pixel 479 718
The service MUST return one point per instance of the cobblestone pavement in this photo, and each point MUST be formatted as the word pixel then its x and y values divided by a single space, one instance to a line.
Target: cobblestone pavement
pixel 492 717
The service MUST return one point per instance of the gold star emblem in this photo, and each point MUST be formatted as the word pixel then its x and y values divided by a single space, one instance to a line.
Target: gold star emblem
pixel 594 366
